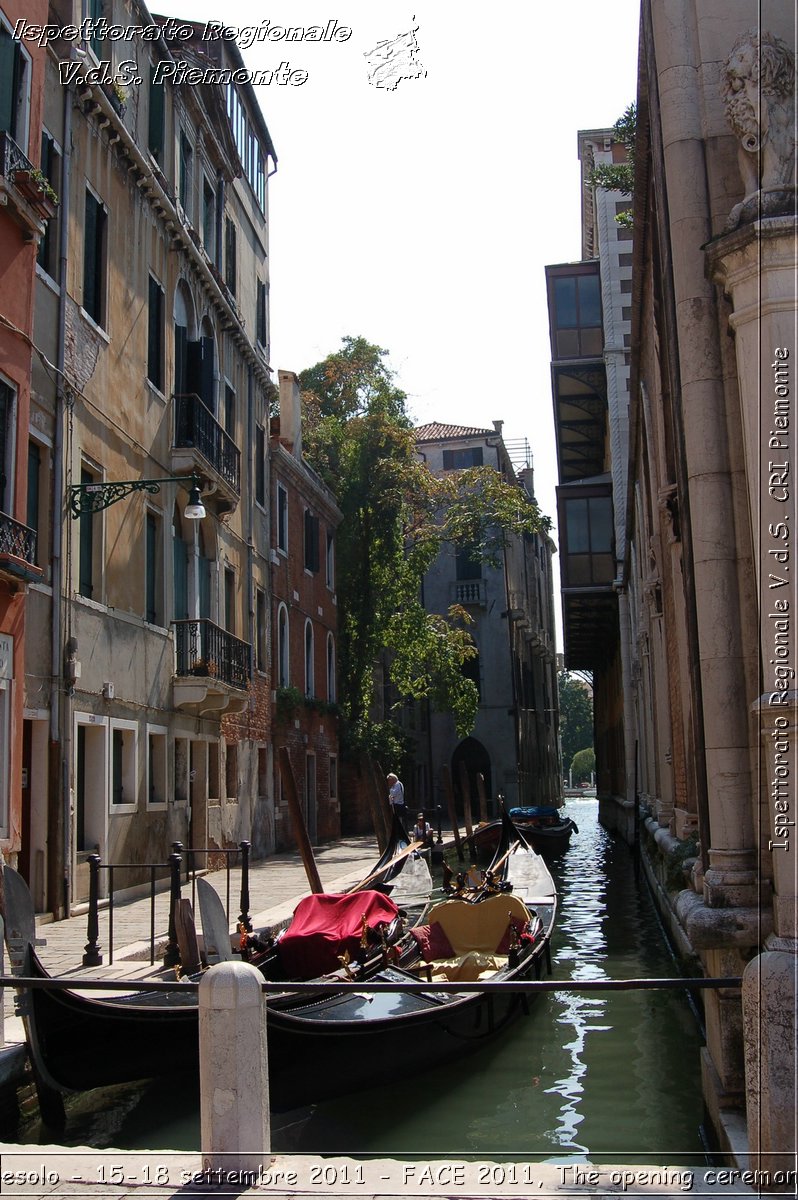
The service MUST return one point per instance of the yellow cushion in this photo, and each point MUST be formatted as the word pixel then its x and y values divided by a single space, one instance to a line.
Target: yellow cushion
pixel 480 926
pixel 468 967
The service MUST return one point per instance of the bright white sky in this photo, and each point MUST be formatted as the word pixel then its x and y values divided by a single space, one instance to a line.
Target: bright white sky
pixel 422 218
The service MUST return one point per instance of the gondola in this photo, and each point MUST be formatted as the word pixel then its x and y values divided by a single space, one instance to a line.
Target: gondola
pixel 79 1041
pixel 328 1045
pixel 547 829
pixel 499 932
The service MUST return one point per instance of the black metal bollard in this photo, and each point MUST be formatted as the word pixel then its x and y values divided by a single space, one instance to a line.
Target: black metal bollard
pixel 172 952
pixel 177 848
pixel 244 917
pixel 93 957
pixel 440 824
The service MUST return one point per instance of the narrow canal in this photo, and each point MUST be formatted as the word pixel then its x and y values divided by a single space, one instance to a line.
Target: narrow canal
pixel 605 1077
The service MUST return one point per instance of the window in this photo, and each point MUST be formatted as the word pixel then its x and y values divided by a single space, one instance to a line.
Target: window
pixel 93 11
pixel 47 254
pixel 94 252
pixel 283 676
pixel 157 118
pixel 156 766
pixel 470 669
pixel 229 410
pixel 153 572
pixel 460 460
pixel 261 324
pixel 231 770
pixel 34 506
pixel 311 541
pixel 8 400
pixel 123 766
pixel 186 164
pixel 575 302
pixel 468 564
pixel 330 560
pixel 87 535
pixel 230 255
pixel 229 600
pixel 252 156
pixel 155 338
pixel 589 548
pixel 310 674
pixel 261 630
pixel 333 777
pixel 331 668
pixel 282 519
pixel 260 466
pixel 14 86
pixel 209 218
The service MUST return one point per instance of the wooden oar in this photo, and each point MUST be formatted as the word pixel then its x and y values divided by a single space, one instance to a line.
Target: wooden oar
pixel 397 858
pixel 291 793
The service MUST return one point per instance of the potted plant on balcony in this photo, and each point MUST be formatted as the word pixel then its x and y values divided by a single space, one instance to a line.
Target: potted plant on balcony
pixel 34 185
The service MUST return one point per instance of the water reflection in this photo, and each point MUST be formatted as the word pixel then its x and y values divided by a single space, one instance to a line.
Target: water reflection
pixel 612 1077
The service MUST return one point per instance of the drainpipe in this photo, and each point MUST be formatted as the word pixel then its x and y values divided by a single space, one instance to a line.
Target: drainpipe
pixel 59 874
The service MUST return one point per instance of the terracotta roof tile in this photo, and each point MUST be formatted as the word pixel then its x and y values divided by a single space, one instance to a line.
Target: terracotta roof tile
pixel 436 432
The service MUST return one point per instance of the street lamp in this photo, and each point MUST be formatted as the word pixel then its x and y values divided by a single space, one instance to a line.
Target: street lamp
pixel 94 497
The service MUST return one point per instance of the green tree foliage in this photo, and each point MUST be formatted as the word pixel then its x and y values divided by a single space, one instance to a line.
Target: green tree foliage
pixel 583 764
pixel 576 715
pixel 358 437
pixel 620 177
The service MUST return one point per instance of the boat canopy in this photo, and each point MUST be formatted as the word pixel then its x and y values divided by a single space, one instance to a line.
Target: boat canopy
pixel 328 925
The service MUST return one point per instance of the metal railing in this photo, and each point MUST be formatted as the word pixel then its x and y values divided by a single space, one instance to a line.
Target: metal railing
pixel 92 956
pixel 197 428
pixel 12 158
pixel 444 987
pixel 17 539
pixel 206 650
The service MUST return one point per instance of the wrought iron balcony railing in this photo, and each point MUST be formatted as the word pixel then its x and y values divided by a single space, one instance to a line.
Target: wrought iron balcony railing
pixel 197 428
pixel 210 652
pixel 17 542
pixel 11 157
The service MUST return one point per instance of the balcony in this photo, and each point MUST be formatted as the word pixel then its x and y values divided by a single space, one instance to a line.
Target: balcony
pixel 212 668
pixel 203 448
pixel 17 551
pixel 23 189
pixel 470 593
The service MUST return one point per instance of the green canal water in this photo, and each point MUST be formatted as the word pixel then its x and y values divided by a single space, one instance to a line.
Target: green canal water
pixel 602 1077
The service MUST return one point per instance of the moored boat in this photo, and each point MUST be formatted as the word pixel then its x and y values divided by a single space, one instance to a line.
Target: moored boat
pixel 547 829
pixel 328 1043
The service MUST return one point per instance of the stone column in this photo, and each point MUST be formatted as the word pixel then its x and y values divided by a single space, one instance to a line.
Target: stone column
pixel 731 878
pixel 234 1074
pixel 755 263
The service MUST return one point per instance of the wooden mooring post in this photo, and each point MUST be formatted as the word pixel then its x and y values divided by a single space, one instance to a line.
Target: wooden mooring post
pixel 298 820
pixel 449 792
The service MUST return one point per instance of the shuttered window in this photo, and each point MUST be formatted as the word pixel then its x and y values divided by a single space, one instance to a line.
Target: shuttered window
pixel 94 258
pixel 157 118
pixel 311 541
pixel 155 335
pixel 230 255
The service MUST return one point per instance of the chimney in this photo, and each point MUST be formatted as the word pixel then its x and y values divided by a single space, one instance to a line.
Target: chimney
pixel 526 478
pixel 498 426
pixel 290 412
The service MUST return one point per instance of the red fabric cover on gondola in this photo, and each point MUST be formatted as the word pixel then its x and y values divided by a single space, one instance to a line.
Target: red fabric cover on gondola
pixel 327 925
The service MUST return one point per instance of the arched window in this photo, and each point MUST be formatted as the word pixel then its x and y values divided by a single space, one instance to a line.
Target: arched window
pixel 282 646
pixel 330 668
pixel 310 686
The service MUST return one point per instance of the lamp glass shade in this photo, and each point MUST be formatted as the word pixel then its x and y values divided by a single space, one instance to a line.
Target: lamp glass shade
pixel 195 509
